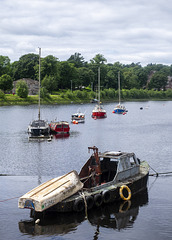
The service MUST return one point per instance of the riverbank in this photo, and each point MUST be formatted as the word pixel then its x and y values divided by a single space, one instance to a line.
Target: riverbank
pixel 11 99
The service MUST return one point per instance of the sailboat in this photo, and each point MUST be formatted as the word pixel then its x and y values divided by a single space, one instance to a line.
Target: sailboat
pixel 119 109
pixel 99 111
pixel 39 128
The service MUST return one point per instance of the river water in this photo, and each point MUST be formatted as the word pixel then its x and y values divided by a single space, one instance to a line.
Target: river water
pixel 24 164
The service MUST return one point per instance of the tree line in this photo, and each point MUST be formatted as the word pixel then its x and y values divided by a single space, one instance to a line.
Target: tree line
pixel 77 73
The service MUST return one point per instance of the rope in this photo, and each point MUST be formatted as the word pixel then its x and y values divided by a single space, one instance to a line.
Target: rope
pixel 157 174
pixel 5 200
pixel 85 202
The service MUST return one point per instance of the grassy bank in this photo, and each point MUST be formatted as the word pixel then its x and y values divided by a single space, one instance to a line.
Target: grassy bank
pixel 107 95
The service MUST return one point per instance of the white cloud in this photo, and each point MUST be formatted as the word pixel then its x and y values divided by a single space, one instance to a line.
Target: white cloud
pixel 125 31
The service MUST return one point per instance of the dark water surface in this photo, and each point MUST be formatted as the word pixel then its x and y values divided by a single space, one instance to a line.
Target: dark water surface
pixel 26 164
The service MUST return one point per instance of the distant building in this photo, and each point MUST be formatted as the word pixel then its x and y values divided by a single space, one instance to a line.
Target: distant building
pixel 33 86
pixel 169 83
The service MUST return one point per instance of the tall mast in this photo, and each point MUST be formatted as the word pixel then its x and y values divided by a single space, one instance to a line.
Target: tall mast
pixel 119 87
pixel 99 85
pixel 39 83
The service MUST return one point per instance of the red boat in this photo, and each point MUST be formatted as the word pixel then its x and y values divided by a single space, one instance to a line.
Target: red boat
pixel 59 127
pixel 98 112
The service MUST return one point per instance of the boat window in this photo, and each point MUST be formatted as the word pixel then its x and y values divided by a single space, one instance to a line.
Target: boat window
pixel 127 162
pixel 132 161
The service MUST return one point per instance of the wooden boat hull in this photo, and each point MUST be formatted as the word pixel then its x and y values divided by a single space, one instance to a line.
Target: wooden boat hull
pixel 51 192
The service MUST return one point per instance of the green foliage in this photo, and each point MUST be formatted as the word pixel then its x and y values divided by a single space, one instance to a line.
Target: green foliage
pixel 69 94
pixel 92 95
pixel 2 95
pixel 77 60
pixel 6 82
pixel 5 67
pixel 158 80
pixel 75 71
pixel 25 67
pixel 22 89
pixel 44 93
pixel 68 73
pixel 49 82
pixel 169 93
pixel 78 94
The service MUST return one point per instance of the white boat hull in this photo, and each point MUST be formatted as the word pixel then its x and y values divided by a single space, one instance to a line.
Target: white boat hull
pixel 51 192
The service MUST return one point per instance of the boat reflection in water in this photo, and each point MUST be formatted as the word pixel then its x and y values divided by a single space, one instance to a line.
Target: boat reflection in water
pixel 60 135
pixel 116 216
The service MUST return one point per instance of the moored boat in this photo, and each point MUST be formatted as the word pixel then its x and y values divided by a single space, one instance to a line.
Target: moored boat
pixel 78 117
pixel 105 177
pixel 39 128
pixel 99 111
pixel 119 109
pixel 60 127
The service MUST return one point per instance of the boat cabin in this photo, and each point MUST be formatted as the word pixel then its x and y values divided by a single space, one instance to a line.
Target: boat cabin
pixel 105 167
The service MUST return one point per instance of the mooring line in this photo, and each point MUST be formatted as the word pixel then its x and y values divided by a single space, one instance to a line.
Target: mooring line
pixel 85 202
pixel 157 174
pixel 5 200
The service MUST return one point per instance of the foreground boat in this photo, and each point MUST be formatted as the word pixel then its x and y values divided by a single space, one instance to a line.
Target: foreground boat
pixel 99 111
pixel 105 177
pixel 113 216
pixel 59 127
pixel 39 128
pixel 119 109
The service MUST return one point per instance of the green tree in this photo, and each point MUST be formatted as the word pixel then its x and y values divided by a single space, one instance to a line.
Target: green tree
pixel 49 82
pixel 22 89
pixel 25 67
pixel 6 82
pixel 49 66
pixel 77 60
pixel 98 59
pixel 68 73
pixel 5 66
pixel 158 81
pixel 85 77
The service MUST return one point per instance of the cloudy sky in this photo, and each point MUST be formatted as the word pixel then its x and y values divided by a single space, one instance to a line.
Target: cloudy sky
pixel 121 30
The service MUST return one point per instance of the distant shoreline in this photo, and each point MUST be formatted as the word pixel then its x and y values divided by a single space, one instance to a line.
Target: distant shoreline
pixel 10 100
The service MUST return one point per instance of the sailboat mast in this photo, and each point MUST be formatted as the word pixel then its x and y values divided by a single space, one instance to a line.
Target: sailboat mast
pixel 39 83
pixel 119 87
pixel 99 85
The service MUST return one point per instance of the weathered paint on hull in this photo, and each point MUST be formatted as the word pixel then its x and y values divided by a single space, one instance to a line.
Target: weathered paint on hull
pixel 70 206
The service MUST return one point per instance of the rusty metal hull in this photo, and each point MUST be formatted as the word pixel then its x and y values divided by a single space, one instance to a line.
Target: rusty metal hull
pixel 103 194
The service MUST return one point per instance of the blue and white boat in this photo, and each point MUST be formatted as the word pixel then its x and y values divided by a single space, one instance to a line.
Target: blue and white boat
pixel 119 109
